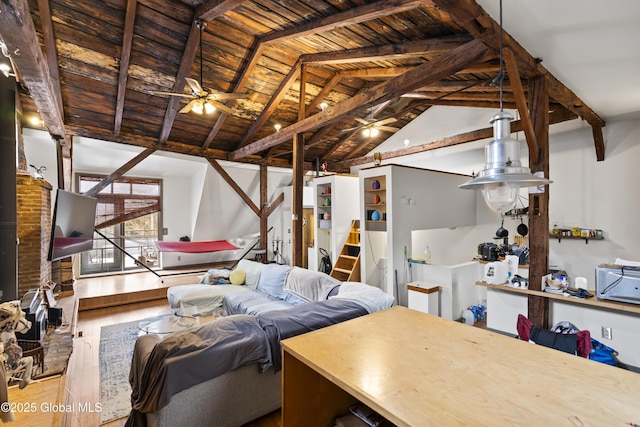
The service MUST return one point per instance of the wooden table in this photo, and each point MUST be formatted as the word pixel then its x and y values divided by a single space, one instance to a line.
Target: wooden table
pixel 421 370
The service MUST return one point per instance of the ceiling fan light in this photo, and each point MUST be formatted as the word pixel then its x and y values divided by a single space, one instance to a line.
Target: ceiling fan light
pixel 209 108
pixel 198 107
pixel 374 132
pixel 366 132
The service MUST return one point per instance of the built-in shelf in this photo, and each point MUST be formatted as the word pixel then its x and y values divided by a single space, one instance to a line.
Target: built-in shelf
pixel 375 200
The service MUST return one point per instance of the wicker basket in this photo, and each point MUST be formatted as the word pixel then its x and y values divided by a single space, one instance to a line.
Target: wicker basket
pixel 34 349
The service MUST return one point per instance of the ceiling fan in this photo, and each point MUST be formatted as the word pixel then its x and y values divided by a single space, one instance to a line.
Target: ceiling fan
pixel 372 127
pixel 204 101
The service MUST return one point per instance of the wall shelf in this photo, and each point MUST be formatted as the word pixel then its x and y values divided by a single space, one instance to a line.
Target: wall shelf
pixel 586 239
pixel 592 302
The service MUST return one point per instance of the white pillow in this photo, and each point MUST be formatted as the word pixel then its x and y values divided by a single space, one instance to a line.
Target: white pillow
pixel 253 270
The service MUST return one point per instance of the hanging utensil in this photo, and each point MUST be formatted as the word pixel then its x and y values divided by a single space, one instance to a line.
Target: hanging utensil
pixel 523 230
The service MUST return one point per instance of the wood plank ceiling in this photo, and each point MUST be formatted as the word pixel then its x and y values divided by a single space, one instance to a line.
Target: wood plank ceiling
pixel 100 62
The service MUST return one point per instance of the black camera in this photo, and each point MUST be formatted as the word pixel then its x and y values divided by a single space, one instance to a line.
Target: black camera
pixel 489 251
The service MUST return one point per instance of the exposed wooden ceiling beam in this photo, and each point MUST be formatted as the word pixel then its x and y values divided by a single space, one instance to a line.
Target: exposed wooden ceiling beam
pixel 521 102
pixel 50 50
pixel 188 57
pixel 469 15
pixel 476 135
pixel 173 147
pixel 356 15
pixel 19 35
pixel 211 9
pixel 271 106
pixel 127 40
pixel 326 90
pixel 439 68
pixel 207 11
pixel 432 46
pixel 255 54
pixel 223 173
pixel 107 180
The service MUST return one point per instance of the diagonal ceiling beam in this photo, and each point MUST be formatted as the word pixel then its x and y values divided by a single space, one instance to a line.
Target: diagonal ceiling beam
pixel 127 41
pixel 51 52
pixel 356 15
pixel 19 35
pixel 107 180
pixel 252 63
pixel 473 18
pixel 188 57
pixel 437 69
pixel 223 173
pixel 368 12
pixel 435 45
pixel 207 11
pixel 271 106
pixel 463 138
pixel 521 102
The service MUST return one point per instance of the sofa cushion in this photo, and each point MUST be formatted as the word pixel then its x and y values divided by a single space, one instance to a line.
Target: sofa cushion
pixel 272 279
pixel 252 271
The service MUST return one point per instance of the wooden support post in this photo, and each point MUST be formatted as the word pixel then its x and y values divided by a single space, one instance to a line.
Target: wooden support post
pixel 298 180
pixel 264 210
pixel 539 203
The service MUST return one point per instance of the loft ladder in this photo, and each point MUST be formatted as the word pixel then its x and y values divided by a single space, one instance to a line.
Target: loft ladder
pixel 347 266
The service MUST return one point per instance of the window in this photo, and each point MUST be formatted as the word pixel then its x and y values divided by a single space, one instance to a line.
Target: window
pixel 128 213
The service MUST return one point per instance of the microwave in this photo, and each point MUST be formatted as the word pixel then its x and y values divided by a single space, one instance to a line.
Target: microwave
pixel 618 283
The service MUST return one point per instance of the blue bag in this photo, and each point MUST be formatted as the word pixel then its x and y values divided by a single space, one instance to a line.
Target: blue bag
pixel 603 354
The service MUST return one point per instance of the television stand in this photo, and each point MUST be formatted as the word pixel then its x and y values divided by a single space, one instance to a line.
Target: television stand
pixel 129 255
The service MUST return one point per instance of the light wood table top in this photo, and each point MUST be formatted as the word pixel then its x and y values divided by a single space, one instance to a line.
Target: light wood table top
pixel 421 370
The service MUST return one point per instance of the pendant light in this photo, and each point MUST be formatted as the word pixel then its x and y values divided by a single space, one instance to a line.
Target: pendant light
pixel 503 175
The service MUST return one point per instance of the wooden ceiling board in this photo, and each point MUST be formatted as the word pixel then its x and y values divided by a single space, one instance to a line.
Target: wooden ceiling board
pixel 89 43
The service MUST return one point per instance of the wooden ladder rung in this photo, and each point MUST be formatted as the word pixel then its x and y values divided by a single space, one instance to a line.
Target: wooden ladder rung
pixel 342 270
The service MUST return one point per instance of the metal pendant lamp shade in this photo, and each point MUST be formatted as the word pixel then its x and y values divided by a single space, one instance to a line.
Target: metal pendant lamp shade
pixel 503 175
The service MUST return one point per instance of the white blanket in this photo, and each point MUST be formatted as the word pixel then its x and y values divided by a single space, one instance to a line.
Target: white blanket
pixel 371 298
pixel 202 296
pixel 309 284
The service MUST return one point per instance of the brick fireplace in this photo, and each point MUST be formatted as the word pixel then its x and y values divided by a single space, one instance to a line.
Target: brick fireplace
pixel 34 225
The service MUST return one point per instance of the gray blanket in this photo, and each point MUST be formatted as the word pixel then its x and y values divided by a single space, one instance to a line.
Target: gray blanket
pixel 283 324
pixel 162 368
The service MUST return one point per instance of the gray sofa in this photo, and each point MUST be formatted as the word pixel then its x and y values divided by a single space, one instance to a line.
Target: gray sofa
pixel 227 372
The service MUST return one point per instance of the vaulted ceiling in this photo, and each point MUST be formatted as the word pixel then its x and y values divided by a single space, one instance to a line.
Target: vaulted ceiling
pixel 93 68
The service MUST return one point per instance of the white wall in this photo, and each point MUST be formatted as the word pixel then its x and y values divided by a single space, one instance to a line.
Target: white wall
pixel 585 193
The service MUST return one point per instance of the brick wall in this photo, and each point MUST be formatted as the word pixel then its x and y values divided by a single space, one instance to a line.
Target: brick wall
pixel 34 225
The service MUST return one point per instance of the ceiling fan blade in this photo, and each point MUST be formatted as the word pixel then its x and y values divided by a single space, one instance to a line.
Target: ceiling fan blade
pixel 363 121
pixel 223 96
pixel 184 95
pixel 188 107
pixel 220 106
pixel 386 121
pixel 351 129
pixel 195 86
pixel 388 128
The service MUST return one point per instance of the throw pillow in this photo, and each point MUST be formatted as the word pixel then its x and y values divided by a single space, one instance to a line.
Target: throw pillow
pixel 237 277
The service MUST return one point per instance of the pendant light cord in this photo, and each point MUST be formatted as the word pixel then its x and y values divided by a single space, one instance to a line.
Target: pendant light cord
pixel 202 29
pixel 501 74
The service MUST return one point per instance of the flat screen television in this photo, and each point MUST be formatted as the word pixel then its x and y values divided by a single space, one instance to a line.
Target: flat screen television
pixel 74 218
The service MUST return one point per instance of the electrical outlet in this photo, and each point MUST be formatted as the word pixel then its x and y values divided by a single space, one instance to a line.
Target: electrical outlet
pixel 607 333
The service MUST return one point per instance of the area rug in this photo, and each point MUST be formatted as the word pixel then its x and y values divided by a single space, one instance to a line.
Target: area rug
pixel 116 350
